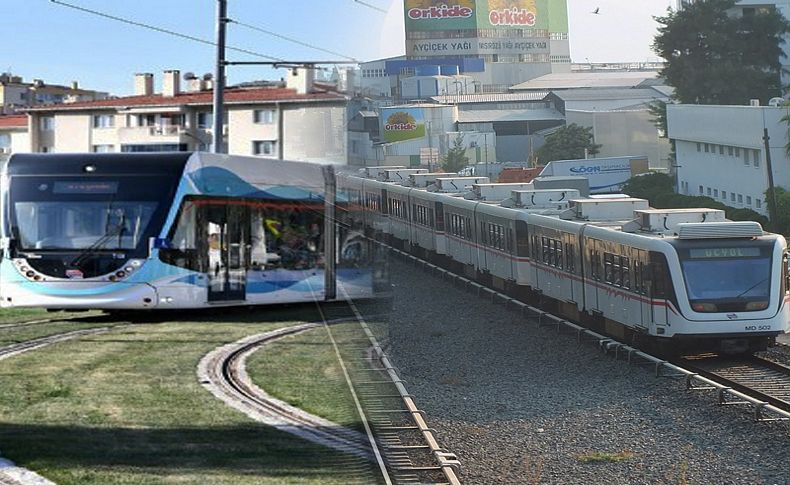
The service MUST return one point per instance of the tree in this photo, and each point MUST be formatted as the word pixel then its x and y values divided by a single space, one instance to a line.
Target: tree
pixel 568 143
pixel 658 109
pixel 456 158
pixel 716 58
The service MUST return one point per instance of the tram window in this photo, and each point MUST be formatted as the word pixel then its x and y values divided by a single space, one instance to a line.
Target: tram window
pixel 570 258
pixel 608 268
pixel 625 267
pixel 183 241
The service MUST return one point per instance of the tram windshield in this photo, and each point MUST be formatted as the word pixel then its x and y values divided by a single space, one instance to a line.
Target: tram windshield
pixel 101 215
pixel 727 278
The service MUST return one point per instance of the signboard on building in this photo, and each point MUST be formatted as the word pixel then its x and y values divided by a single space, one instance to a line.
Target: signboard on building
pixel 401 124
pixel 436 28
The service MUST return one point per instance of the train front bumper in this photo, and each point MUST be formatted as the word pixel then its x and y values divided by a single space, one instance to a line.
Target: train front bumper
pixel 79 295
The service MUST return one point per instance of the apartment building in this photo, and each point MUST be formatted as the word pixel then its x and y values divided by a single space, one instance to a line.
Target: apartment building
pixel 16 94
pixel 300 120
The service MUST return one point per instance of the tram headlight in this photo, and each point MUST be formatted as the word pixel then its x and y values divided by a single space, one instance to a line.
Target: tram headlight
pixel 120 274
pixel 129 269
pixel 704 307
pixel 30 274
pixel 756 305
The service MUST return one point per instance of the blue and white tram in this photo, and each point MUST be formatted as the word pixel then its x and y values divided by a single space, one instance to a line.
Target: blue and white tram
pixel 172 230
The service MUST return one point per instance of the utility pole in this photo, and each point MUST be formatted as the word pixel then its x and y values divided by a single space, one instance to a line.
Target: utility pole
pixel 772 210
pixel 430 147
pixel 218 145
pixel 485 142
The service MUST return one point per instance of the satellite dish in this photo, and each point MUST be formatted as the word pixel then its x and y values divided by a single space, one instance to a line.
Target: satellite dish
pixel 208 76
pixel 188 76
pixel 776 101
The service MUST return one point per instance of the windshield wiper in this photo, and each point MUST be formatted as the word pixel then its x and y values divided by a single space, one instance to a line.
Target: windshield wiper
pixel 752 287
pixel 116 230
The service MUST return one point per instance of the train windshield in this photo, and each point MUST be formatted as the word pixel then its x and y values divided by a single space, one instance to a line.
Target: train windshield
pixel 103 214
pixel 727 278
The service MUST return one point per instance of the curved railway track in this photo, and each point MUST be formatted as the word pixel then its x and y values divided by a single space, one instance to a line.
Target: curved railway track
pixel 222 371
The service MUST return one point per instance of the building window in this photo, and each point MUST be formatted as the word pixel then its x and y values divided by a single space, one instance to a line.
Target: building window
pixel 716 193
pixel 263 147
pixel 699 146
pixel 721 149
pixel 707 148
pixel 713 148
pixel 732 196
pixel 47 123
pixel 729 151
pixel 103 121
pixel 263 116
pixel 205 120
pixel 103 148
pixel 756 158
pixel 746 156
pixel 724 195
pixel 700 190
pixel 740 198
pixel 708 190
pixel 737 152
pixel 748 200
pixel 758 203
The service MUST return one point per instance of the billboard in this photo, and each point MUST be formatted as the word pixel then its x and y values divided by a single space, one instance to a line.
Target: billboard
pixel 500 24
pixel 401 124
pixel 421 15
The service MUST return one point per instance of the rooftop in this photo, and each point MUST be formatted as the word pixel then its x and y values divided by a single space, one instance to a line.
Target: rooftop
pixel 588 79
pixel 608 93
pixel 13 121
pixel 491 97
pixel 498 115
pixel 232 96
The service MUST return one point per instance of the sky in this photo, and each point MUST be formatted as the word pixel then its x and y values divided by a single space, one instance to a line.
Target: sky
pixel 44 40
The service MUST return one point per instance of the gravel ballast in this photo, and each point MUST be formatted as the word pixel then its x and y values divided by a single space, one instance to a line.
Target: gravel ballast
pixel 520 404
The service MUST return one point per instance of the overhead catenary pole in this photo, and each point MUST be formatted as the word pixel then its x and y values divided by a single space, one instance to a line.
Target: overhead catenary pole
pixel 218 145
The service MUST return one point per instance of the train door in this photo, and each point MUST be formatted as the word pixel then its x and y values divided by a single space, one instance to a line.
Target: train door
pixel 228 241
pixel 641 283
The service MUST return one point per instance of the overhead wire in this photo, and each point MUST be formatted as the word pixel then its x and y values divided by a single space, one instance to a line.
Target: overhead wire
pixel 370 5
pixel 162 30
pixel 290 39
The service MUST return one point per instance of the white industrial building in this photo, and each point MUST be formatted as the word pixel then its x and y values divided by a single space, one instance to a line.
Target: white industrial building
pixel 721 152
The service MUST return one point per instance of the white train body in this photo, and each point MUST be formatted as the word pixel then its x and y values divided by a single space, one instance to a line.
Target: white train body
pixel 676 275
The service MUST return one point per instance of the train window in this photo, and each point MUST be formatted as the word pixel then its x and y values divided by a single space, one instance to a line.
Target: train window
pixel 468 228
pixel 558 254
pixel 183 252
pixel 595 265
pixel 570 258
pixel 625 267
pixel 608 268
pixel 509 240
pixel 483 234
pixel 534 248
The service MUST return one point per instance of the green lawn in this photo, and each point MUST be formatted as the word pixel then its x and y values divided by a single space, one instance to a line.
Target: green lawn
pixel 126 408
pixel 13 315
pixel 303 370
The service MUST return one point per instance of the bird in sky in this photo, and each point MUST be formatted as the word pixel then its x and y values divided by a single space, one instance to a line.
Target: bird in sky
pixel 596 10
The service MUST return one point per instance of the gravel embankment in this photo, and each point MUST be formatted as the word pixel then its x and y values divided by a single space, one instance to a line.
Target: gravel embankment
pixel 519 404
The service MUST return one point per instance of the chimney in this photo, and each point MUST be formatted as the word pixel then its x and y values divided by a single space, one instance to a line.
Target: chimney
pixel 171 84
pixel 301 79
pixel 143 84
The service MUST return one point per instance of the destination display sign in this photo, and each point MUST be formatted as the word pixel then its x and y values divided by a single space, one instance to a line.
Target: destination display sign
pixel 85 187
pixel 709 253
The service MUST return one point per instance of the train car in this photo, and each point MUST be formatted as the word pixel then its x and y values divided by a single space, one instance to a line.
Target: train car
pixel 172 230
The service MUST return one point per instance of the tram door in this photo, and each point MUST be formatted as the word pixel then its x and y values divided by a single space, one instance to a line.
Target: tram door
pixel 228 241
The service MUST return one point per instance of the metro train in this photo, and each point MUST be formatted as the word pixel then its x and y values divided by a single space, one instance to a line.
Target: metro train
pixel 175 230
pixel 676 279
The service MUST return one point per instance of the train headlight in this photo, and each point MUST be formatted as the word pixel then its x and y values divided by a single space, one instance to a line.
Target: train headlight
pixel 120 274
pixel 30 274
pixel 756 305
pixel 129 269
pixel 704 307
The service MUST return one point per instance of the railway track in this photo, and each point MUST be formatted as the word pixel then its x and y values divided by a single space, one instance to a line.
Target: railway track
pixel 37 343
pixel 729 392
pixel 763 379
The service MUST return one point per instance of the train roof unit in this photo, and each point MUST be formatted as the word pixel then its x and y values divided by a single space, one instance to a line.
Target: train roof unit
pixel 495 192
pixel 605 210
pixel 375 172
pixel 549 199
pixel 398 175
pixel 425 179
pixel 456 184
pixel 666 222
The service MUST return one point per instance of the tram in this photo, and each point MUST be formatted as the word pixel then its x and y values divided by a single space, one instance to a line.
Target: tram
pixel 175 230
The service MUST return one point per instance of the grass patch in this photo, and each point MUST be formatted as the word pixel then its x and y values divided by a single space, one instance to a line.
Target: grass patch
pixel 126 408
pixel 303 370
pixel 605 457
pixel 14 315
